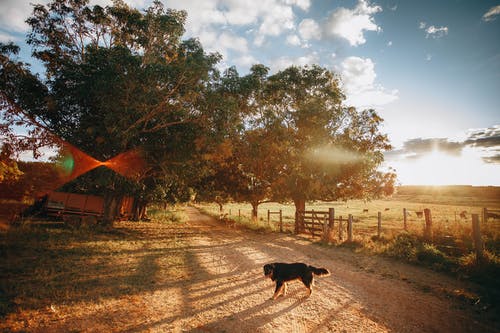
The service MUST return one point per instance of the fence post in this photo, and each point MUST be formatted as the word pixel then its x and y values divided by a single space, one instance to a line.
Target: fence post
pixel 281 221
pixel 485 215
pixel 239 213
pixel 379 224
pixel 326 228
pixel 296 227
pixel 478 241
pixel 340 228
pixel 312 221
pixel 428 224
pixel 404 218
pixel 268 217
pixel 331 217
pixel 349 229
pixel 331 223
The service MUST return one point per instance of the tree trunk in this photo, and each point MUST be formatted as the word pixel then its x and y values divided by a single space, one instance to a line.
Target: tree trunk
pixel 144 211
pixel 139 210
pixel 300 206
pixel 255 207
pixel 110 207
pixel 135 210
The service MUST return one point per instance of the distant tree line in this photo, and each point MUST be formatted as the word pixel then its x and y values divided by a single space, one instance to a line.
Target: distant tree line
pixel 117 78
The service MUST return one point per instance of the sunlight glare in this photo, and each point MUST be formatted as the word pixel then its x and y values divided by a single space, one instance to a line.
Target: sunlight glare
pixel 439 168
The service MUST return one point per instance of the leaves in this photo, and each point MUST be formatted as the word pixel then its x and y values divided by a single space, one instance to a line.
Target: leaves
pixel 118 79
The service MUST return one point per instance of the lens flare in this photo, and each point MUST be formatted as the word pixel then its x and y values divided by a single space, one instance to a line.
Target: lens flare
pixel 74 163
pixel 67 164
pixel 129 164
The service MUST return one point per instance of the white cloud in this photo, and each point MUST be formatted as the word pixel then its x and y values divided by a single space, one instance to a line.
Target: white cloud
pixel 491 14
pixel 230 41
pixel 278 19
pixel 5 38
pixel 245 61
pixel 351 24
pixel 389 43
pixel 293 40
pixel 201 13
pixel 13 13
pixel 358 77
pixel 436 32
pixel 271 17
pixel 309 29
pixel 433 31
pixel 285 62
pixel 302 4
pixel 214 41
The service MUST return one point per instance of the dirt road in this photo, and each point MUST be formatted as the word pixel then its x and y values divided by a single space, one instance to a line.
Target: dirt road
pixel 202 276
pixel 226 291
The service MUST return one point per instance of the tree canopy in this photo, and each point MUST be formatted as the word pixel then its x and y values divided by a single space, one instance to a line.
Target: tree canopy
pixel 118 79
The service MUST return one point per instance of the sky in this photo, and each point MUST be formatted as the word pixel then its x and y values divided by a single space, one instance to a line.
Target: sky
pixel 431 69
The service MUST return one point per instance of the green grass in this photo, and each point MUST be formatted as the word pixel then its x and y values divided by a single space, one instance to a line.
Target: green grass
pixel 171 215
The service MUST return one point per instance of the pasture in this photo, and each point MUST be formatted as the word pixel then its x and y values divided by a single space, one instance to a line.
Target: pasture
pixel 451 248
pixel 447 218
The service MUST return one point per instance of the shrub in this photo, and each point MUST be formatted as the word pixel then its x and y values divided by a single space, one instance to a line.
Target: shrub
pixel 403 246
pixel 429 254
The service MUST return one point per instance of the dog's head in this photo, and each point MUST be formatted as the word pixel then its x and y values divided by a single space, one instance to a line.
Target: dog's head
pixel 268 270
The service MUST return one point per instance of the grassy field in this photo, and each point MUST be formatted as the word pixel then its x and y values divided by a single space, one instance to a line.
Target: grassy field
pixel 52 266
pixel 446 217
pixel 451 248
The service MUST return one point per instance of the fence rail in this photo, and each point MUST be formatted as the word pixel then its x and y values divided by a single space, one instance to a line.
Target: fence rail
pixel 433 226
pixel 322 223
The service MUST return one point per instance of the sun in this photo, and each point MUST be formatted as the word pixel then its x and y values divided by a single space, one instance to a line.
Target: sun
pixel 440 168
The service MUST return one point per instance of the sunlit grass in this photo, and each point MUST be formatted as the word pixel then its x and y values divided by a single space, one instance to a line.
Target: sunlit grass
pixel 451 248
pixel 56 266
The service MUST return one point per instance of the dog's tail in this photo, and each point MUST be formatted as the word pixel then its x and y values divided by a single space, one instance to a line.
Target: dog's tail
pixel 319 271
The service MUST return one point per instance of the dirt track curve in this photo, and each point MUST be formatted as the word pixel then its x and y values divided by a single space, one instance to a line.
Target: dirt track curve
pixel 227 291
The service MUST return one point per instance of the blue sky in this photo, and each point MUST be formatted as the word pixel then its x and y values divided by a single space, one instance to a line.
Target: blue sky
pixel 430 68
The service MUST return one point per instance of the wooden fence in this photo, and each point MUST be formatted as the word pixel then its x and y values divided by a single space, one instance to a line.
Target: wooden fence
pixel 323 224
pixel 326 225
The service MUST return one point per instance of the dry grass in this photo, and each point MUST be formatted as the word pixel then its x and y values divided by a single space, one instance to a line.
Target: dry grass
pixel 450 250
pixel 160 276
pixel 53 267
pixel 446 217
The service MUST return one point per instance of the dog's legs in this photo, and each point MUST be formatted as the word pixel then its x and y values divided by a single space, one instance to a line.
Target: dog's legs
pixel 279 287
pixel 308 282
pixel 285 286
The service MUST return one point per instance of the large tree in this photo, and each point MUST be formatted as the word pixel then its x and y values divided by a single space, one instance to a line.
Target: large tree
pixel 118 79
pixel 314 147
